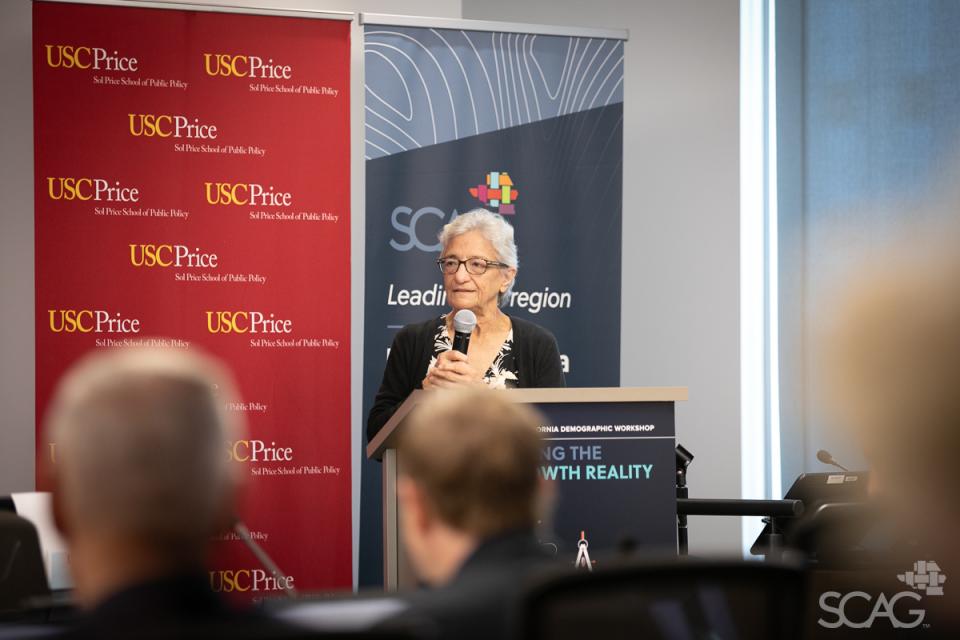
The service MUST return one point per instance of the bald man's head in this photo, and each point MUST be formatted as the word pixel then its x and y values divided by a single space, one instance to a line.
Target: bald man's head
pixel 141 439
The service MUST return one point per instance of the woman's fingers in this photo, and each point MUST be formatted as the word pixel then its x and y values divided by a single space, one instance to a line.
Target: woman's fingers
pixel 457 373
pixel 451 356
pixel 451 369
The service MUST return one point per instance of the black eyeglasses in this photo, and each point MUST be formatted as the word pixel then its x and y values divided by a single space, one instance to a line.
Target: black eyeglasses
pixel 475 266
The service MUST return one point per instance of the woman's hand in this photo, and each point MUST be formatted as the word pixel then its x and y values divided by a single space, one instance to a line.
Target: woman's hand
pixel 453 369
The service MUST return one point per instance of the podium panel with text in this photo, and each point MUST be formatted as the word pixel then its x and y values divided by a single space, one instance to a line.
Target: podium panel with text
pixel 610 453
pixel 613 463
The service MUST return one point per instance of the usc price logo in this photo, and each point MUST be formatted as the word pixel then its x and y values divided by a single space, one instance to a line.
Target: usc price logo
pixel 258 451
pixel 168 255
pixel 246 322
pixel 243 580
pixel 244 66
pixel 96 189
pixel 66 56
pixel 150 125
pixel 240 194
pixel 90 321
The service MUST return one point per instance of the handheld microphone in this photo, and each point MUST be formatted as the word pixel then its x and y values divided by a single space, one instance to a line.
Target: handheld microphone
pixel 824 456
pixel 463 324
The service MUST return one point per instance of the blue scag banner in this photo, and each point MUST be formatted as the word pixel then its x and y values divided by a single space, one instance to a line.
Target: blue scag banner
pixel 528 126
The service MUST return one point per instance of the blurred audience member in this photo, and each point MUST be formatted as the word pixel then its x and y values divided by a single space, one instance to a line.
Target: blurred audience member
pixel 470 494
pixel 141 483
pixel 894 371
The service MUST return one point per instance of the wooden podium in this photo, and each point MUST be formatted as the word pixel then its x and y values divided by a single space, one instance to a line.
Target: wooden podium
pixel 611 453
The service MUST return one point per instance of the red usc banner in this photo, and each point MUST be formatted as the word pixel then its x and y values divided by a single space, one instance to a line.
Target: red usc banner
pixel 192 181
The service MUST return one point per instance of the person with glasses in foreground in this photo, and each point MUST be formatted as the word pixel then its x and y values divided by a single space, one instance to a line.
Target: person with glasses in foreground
pixel 479 265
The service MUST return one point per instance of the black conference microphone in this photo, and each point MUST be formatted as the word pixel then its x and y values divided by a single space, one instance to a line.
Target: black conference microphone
pixel 824 456
pixel 243 533
pixel 463 325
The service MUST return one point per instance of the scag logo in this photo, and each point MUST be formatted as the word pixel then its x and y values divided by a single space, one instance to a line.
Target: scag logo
pixel 243 580
pixel 244 66
pixel 420 233
pixel 96 189
pixel 66 56
pixel 171 255
pixel 150 125
pixel 244 194
pixel 884 608
pixel 926 577
pixel 498 193
pixel 246 322
pixel 258 451
pixel 91 321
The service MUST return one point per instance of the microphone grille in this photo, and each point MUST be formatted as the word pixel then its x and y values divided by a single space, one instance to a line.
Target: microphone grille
pixel 464 321
pixel 824 456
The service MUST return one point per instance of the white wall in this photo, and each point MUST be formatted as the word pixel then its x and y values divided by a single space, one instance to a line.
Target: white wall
pixel 681 214
pixel 16 249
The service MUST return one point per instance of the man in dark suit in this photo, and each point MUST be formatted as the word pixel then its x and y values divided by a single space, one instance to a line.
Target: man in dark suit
pixel 471 495
pixel 141 483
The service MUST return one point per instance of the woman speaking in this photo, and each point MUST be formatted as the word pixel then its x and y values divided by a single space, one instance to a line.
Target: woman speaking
pixel 479 263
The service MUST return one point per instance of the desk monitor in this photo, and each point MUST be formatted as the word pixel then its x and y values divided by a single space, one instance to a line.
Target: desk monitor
pixel 815 490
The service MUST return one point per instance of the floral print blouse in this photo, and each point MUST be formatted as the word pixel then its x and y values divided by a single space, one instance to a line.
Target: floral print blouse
pixel 502 373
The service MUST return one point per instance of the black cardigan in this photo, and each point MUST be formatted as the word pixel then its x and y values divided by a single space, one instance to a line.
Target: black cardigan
pixel 535 350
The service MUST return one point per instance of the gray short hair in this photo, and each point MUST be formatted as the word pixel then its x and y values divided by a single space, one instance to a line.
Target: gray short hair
pixel 495 229
pixel 141 439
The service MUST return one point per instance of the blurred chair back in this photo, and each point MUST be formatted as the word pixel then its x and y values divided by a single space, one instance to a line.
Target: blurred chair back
pixel 682 600
pixel 22 575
